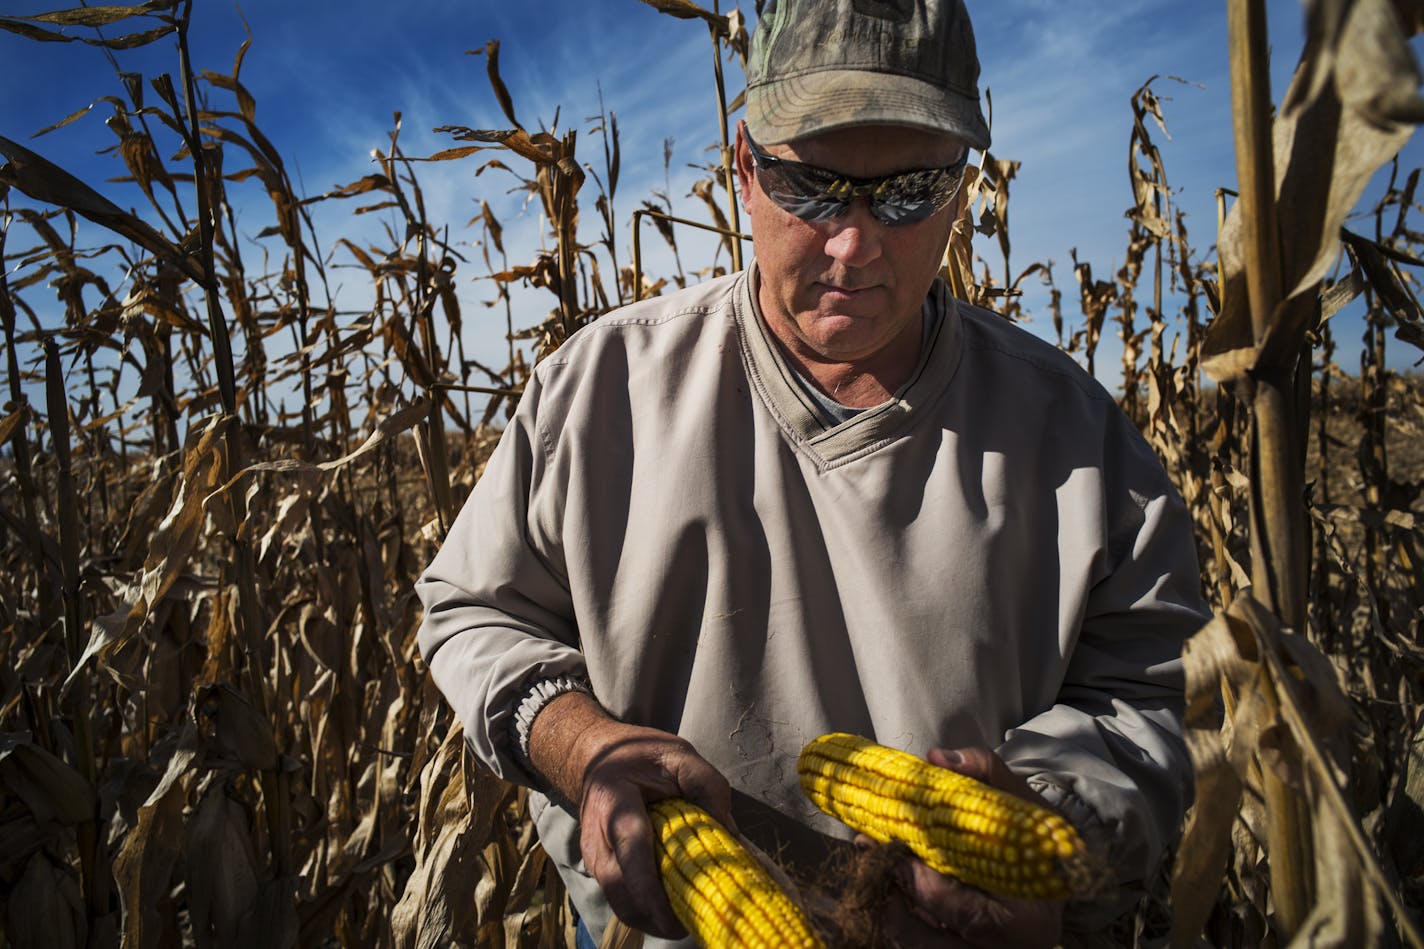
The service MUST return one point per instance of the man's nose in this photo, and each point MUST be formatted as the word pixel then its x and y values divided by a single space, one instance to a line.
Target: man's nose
pixel 855 236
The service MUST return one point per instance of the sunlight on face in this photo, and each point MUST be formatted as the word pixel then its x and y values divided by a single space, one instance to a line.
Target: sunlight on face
pixel 848 290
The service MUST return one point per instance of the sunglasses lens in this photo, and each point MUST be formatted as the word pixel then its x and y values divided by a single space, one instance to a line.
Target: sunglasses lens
pixel 812 209
pixel 915 195
pixel 894 213
pixel 796 189
pixel 805 191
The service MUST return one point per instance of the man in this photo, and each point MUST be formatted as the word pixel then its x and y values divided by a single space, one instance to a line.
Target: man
pixel 821 495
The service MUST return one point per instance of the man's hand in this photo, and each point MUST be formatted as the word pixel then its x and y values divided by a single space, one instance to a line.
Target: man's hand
pixel 940 911
pixel 611 771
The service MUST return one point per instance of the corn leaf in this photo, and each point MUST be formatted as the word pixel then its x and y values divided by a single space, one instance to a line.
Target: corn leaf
pixel 47 182
pixel 50 788
pixel 1329 141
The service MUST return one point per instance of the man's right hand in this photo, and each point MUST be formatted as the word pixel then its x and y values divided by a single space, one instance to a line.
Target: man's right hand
pixel 941 911
pixel 612 771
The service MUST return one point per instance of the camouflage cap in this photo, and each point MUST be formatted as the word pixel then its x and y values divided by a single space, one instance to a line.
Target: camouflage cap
pixel 818 65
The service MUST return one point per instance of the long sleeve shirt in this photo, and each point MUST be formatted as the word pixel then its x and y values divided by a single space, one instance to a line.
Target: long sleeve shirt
pixel 992 557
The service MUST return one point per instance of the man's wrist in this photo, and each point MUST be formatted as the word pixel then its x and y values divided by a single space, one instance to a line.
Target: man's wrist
pixel 537 695
pixel 560 740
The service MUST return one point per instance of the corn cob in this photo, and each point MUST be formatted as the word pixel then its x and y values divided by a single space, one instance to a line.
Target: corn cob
pixel 959 826
pixel 718 890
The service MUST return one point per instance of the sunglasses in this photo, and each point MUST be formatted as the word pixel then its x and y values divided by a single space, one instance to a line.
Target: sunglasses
pixel 817 194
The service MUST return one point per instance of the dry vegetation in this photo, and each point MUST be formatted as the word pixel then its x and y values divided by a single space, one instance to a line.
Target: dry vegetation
pixel 214 728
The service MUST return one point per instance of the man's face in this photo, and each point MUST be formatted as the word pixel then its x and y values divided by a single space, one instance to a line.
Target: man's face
pixel 848 290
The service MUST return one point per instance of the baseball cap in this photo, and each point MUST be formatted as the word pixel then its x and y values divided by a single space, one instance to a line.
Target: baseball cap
pixel 818 65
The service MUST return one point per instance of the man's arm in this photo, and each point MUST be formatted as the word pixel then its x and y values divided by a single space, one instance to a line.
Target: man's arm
pixel 499 620
pixel 1109 754
pixel 610 771
pixel 499 613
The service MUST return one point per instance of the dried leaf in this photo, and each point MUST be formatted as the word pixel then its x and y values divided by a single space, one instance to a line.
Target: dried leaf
pixel 72 117
pixel 386 429
pixel 501 92
pixel 616 158
pixel 706 191
pixel 127 41
pixel 364 185
pixel 286 524
pixel 449 154
pixel 1220 652
pixel 1245 654
pixel 143 867
pixel 540 148
pixel 146 300
pixel 13 423
pixel 619 935
pixel 51 184
pixel 740 41
pixel 1328 145
pixel 1405 817
pixel 222 893
pixel 1383 278
pixel 233 729
pixel 53 916
pixel 687 10
pixel 1340 293
pixel 171 546
pixel 436 906
pixel 50 788
pixel 492 226
pixel 246 104
pixel 101 15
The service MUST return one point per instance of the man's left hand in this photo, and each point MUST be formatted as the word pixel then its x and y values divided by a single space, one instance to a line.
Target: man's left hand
pixel 937 910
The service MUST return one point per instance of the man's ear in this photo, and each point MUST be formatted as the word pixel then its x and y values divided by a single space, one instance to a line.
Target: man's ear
pixel 746 172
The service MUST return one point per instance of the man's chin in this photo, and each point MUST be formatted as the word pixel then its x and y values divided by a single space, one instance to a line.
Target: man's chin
pixel 847 340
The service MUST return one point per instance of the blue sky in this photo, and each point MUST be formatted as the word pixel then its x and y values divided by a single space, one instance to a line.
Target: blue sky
pixel 328 76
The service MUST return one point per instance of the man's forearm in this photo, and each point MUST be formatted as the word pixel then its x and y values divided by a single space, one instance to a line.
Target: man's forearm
pixel 563 739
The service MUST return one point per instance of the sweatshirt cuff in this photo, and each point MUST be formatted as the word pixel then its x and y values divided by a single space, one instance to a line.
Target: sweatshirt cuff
pixel 531 702
pixel 1094 913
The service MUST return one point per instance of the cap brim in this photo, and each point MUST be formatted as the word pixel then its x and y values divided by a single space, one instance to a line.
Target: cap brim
pixel 799 106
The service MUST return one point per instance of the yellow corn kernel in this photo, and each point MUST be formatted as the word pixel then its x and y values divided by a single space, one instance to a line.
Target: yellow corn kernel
pixel 959 826
pixel 718 890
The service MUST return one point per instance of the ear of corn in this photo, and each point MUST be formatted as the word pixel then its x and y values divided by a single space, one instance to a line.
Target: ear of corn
pixel 717 888
pixel 989 838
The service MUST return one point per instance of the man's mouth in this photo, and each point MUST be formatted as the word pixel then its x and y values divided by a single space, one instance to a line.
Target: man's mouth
pixel 844 289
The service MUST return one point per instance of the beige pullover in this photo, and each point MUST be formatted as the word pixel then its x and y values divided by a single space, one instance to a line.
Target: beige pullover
pixel 993 557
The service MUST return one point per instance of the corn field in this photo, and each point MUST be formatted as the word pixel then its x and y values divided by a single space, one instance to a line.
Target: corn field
pixel 219 488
